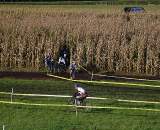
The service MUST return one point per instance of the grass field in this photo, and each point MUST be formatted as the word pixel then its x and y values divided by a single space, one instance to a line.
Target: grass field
pixel 64 118
pixel 40 118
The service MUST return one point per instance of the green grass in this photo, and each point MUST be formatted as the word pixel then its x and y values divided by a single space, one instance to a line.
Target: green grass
pixel 102 8
pixel 66 88
pixel 18 117
pixel 48 118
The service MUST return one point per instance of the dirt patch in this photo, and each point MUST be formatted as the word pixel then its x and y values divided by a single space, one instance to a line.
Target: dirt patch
pixel 23 75
pixel 81 75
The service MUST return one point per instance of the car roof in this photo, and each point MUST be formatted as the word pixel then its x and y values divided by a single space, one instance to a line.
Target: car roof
pixel 134 9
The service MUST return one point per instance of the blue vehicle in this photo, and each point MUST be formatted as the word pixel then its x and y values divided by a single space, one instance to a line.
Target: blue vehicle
pixel 134 10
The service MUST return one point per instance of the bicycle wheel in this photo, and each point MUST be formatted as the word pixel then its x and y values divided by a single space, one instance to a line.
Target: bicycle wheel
pixel 71 101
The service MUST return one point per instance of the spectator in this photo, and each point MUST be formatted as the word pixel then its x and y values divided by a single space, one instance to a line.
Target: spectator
pixel 48 62
pixel 61 64
pixel 73 69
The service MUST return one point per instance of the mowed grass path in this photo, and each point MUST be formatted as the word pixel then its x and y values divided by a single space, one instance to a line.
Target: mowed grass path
pixel 47 118
pixel 67 88
pixel 59 87
pixel 18 117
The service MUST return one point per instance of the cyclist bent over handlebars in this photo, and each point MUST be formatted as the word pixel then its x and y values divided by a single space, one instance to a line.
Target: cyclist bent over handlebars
pixel 80 95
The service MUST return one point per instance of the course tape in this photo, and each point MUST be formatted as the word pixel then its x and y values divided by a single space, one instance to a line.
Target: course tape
pixel 35 104
pixel 85 69
pixel 5 93
pixel 104 82
pixel 93 107
pixel 102 75
pixel 67 96
pixel 126 78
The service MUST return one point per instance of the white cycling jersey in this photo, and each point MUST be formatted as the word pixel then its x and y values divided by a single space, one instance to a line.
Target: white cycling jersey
pixel 81 90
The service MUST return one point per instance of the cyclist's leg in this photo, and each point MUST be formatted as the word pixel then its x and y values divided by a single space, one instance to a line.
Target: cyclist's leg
pixel 73 99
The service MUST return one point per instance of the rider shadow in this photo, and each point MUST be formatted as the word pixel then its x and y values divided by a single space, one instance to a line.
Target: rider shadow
pixel 99 111
pixel 136 115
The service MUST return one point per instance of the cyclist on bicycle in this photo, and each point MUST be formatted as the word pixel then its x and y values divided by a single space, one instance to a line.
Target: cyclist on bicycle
pixel 80 94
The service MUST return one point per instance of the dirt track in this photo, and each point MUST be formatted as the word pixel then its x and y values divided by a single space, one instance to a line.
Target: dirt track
pixel 82 75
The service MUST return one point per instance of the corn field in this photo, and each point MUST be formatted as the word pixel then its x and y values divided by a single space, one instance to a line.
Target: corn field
pixel 108 41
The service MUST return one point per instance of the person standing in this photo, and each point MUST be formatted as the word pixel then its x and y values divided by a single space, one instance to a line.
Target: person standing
pixel 73 70
pixel 61 64
pixel 48 61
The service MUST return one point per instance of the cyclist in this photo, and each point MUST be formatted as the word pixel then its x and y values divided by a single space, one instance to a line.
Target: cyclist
pixel 80 95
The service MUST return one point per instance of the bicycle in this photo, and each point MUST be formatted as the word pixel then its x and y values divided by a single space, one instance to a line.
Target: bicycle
pixel 77 101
